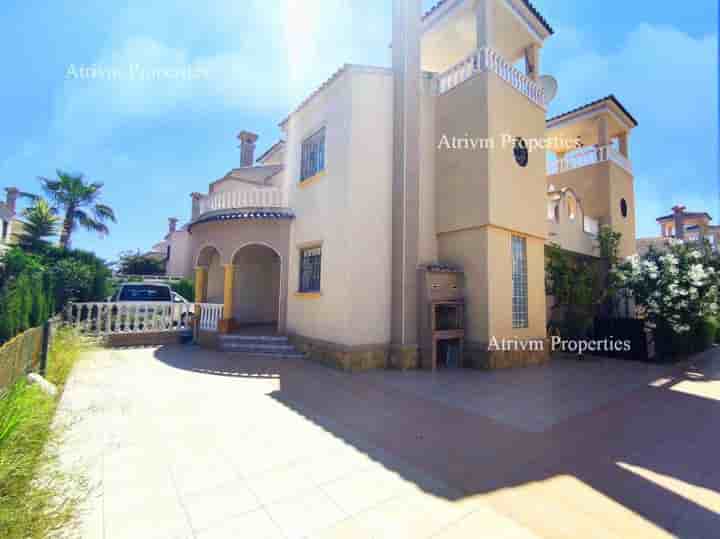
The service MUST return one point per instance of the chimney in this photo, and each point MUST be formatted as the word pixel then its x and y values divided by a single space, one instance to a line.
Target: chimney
pixel 196 197
pixel 247 148
pixel 679 215
pixel 172 225
pixel 11 196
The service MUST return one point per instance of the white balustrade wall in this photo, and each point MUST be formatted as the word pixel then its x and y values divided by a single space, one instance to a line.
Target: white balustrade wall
pixel 210 316
pixel 129 317
pixel 589 156
pixel 488 60
pixel 266 197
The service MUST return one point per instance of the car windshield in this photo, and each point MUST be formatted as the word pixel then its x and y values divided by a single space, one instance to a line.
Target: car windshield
pixel 145 292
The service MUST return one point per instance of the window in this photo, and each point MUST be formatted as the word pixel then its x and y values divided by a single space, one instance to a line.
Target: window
pixel 572 206
pixel 624 208
pixel 520 151
pixel 310 269
pixel 4 230
pixel 520 283
pixel 313 155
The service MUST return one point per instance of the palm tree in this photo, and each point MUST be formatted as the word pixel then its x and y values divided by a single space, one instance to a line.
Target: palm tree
pixel 78 202
pixel 40 222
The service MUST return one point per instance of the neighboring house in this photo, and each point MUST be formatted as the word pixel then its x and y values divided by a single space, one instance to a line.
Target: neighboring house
pixel 376 179
pixel 682 225
pixel 10 225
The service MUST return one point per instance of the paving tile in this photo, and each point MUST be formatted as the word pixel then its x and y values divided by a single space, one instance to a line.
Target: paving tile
pixel 305 515
pixel 484 522
pixel 363 489
pixel 255 525
pixel 211 507
pixel 412 516
pixel 280 483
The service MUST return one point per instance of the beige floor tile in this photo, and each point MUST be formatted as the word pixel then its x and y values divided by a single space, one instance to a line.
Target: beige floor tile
pixel 211 507
pixel 254 525
pixel 280 483
pixel 484 523
pixel 305 515
pixel 412 516
pixel 362 490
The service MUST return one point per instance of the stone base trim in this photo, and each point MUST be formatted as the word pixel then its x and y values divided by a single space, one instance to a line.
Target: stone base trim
pixel 347 358
pixel 143 339
pixel 478 356
pixel 404 358
pixel 207 339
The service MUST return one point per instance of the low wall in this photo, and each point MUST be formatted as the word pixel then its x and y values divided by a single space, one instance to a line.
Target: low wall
pixel 143 339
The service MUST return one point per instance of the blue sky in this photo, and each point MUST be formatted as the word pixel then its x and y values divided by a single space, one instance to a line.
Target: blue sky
pixel 154 142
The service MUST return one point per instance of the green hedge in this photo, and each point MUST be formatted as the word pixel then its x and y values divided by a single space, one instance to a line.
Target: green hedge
pixel 34 286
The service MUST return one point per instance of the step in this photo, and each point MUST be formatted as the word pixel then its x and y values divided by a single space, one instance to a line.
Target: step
pixel 255 347
pixel 254 339
pixel 268 355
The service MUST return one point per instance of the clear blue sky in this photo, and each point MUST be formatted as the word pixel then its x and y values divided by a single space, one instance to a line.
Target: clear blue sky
pixel 154 142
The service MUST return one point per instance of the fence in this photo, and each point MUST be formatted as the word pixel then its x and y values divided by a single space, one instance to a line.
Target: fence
pixel 23 354
pixel 129 317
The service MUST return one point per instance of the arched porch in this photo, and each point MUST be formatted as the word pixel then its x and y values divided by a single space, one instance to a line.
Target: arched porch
pixel 251 287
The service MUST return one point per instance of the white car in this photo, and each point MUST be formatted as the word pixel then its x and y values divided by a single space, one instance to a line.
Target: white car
pixel 139 295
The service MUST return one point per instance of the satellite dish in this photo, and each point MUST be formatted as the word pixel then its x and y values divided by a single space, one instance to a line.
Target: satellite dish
pixel 550 86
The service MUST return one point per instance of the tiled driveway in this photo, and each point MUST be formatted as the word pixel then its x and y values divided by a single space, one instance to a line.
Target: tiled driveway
pixel 182 442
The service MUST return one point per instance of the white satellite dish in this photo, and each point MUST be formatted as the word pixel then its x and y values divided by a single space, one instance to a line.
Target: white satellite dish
pixel 550 86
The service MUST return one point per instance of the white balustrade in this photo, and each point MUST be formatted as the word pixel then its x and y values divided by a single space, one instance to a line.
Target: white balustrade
pixel 210 316
pixel 589 156
pixel 129 317
pixel 488 60
pixel 264 197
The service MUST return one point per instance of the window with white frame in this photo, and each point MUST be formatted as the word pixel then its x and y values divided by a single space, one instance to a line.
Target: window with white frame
pixel 313 155
pixel 310 269
pixel 519 283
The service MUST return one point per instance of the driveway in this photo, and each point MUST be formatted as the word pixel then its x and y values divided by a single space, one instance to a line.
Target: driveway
pixel 181 442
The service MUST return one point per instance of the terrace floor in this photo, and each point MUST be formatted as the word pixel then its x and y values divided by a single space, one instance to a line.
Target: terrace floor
pixel 180 442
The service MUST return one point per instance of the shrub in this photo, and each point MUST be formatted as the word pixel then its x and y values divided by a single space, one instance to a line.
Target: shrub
pixel 184 287
pixel 33 286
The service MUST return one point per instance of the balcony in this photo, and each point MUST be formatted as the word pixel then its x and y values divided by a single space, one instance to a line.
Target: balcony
pixel 487 60
pixel 587 157
pixel 260 198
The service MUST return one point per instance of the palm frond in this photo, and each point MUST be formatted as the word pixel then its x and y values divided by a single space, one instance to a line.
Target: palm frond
pixel 103 212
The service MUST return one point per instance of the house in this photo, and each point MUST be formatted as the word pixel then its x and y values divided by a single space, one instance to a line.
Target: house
pixel 10 225
pixel 444 164
pixel 682 225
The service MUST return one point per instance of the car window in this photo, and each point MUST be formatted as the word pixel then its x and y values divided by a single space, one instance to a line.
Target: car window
pixel 145 293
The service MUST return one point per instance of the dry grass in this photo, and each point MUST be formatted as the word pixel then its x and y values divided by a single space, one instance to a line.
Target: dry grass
pixel 37 500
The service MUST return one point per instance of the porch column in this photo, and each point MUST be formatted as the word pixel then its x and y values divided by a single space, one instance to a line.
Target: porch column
pixel 226 323
pixel 623 141
pixel 532 61
pixel 201 273
pixel 603 137
pixel 603 131
pixel 484 23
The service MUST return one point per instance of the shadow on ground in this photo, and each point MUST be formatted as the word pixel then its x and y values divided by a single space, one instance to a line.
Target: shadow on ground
pixel 651 449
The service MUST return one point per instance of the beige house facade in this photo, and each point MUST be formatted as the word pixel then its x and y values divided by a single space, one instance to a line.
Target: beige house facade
pixel 682 225
pixel 446 162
